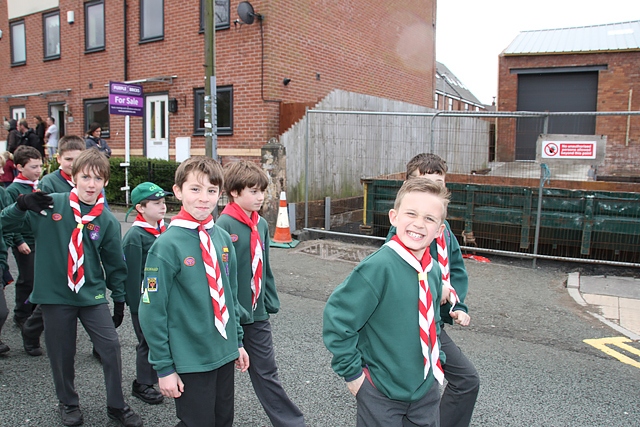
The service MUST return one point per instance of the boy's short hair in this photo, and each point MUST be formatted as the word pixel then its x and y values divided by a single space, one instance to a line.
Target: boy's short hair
pixel 202 164
pixel 71 143
pixel 92 160
pixel 244 174
pixel 24 153
pixel 423 185
pixel 427 163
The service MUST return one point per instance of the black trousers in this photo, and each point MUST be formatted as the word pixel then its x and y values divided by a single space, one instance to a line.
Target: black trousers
pixel 207 400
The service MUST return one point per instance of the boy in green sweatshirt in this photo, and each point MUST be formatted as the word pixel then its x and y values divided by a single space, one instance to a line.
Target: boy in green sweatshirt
pixel 59 181
pixel 381 323
pixel 189 311
pixel 463 382
pixel 28 161
pixel 80 257
pixel 148 199
pixel 245 183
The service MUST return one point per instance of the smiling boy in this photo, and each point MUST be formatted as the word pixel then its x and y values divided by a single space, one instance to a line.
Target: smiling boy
pixel 80 257
pixel 189 311
pixel 380 323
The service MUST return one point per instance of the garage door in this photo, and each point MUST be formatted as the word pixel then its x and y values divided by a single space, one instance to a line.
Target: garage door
pixel 554 92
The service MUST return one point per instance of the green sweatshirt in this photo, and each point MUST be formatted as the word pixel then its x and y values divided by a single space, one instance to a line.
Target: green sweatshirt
pixel 54 183
pixel 25 235
pixel 371 320
pixel 102 250
pixel 176 312
pixel 135 244
pixel 268 302
pixel 457 271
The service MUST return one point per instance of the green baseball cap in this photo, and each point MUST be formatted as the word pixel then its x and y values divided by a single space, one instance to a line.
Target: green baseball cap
pixel 146 191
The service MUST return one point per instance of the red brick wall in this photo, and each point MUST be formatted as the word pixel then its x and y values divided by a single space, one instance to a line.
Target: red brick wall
pixel 367 46
pixel 622 74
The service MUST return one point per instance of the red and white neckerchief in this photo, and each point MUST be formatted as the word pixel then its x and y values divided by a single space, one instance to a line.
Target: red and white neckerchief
pixel 21 179
pixel 211 265
pixel 142 223
pixel 426 312
pixel 443 262
pixel 75 263
pixel 67 178
pixel 235 211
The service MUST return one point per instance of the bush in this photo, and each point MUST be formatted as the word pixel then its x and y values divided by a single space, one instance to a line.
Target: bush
pixel 160 172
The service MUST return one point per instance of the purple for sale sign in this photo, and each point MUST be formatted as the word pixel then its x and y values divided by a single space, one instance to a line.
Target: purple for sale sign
pixel 125 99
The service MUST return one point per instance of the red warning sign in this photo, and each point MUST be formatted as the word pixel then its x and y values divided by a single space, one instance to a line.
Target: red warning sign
pixel 569 150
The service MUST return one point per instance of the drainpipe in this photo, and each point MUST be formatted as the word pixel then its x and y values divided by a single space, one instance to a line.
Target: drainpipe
pixel 126 59
pixel 626 141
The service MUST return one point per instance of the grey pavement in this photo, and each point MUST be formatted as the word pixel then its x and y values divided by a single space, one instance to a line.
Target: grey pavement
pixel 526 339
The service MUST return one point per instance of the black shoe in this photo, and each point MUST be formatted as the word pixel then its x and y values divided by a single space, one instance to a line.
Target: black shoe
pixel 3 348
pixel 31 346
pixel 125 415
pixel 96 355
pixel 146 393
pixel 71 415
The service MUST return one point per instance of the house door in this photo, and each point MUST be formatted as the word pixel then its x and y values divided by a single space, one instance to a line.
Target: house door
pixel 57 112
pixel 157 126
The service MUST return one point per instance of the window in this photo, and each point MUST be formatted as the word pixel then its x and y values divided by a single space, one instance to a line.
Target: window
pixel 224 105
pixel 97 110
pixel 435 101
pixel 221 13
pixel 51 36
pixel 18 43
pixel 94 26
pixel 466 107
pixel 18 113
pixel 151 20
pixel 450 104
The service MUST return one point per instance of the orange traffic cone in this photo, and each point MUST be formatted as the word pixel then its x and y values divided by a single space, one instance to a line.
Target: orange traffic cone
pixel 283 233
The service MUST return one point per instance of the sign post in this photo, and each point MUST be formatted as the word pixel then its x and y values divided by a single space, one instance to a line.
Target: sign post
pixel 127 100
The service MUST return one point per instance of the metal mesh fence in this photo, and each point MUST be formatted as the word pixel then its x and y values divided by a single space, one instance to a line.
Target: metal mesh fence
pixel 525 207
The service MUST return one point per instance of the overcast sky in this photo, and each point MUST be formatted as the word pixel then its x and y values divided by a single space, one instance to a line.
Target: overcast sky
pixel 470 34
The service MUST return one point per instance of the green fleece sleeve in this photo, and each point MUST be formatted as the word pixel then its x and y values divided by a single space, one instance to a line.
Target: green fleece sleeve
pixel 233 282
pixel 345 313
pixel 113 262
pixel 132 249
pixel 458 275
pixel 271 300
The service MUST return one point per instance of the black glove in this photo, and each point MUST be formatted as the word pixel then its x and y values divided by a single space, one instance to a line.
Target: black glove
pixel 7 278
pixel 36 202
pixel 118 313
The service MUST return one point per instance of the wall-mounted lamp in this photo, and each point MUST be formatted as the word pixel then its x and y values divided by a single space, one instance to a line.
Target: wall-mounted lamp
pixel 173 105
pixel 71 17
pixel 0 34
pixel 286 81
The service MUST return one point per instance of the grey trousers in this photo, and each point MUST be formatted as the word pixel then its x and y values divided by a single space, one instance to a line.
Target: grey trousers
pixel 61 327
pixel 461 392
pixel 145 374
pixel 377 410
pixel 264 376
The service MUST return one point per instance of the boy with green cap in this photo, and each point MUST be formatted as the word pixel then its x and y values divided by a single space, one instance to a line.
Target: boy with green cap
pixel 148 200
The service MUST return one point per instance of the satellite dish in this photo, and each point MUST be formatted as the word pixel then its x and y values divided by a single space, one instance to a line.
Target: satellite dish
pixel 246 13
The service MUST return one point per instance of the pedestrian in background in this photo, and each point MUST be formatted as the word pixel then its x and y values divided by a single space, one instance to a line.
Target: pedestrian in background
pixel 15 137
pixel 29 137
pixel 94 139
pixel 40 129
pixel 51 137
pixel 8 169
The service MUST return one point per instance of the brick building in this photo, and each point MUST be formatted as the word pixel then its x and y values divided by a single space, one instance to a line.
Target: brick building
pixel 451 94
pixel 594 68
pixel 59 56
